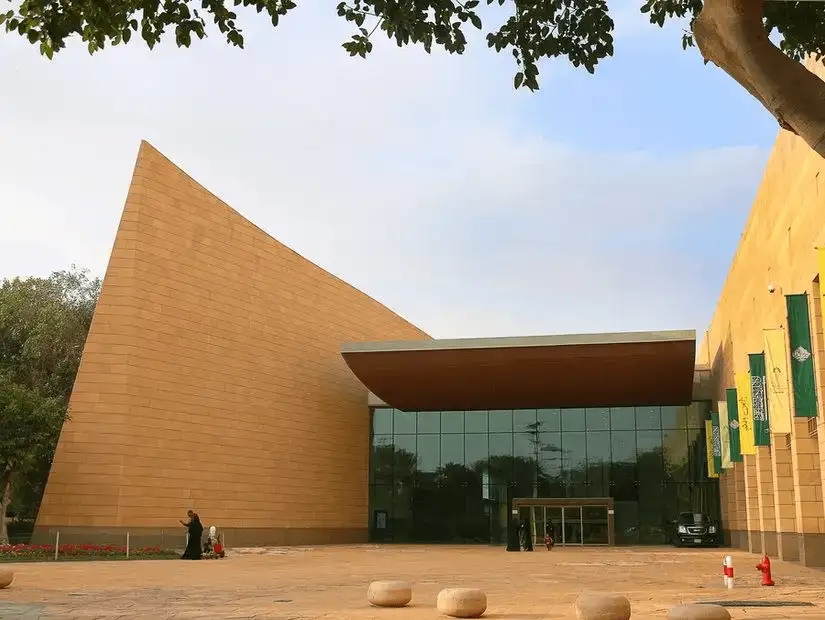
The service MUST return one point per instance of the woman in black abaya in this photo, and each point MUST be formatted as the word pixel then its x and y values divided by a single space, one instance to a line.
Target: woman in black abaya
pixel 193 545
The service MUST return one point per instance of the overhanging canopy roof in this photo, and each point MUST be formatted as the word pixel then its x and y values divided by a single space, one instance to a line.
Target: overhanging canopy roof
pixel 584 370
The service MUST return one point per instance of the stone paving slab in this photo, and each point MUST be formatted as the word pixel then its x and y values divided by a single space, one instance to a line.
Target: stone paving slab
pixel 331 582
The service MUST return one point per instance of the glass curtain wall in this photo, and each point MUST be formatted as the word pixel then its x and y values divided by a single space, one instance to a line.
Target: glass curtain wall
pixel 446 476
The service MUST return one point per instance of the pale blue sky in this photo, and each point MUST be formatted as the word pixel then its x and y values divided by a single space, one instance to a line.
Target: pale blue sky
pixel 602 203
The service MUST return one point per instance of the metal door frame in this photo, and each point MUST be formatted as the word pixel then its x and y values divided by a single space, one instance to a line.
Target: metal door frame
pixel 562 502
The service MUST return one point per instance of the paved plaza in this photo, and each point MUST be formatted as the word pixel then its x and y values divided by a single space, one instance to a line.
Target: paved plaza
pixel 331 582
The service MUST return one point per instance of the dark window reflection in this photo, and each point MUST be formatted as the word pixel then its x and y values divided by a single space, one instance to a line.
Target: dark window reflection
pixel 447 476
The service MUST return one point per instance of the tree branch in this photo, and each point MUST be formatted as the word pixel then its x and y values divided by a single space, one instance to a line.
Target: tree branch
pixel 731 34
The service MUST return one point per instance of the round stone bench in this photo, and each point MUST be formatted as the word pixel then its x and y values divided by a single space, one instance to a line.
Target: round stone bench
pixel 389 593
pixel 602 607
pixel 698 612
pixel 6 577
pixel 462 602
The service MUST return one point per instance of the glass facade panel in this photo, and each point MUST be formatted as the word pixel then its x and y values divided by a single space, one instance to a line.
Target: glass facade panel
pixel 452 422
pixel 403 422
pixel 572 420
pixel 429 422
pixel 449 476
pixel 501 421
pixel 382 421
pixel 548 419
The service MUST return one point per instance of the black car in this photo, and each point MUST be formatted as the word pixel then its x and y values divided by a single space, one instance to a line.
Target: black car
pixel 695 529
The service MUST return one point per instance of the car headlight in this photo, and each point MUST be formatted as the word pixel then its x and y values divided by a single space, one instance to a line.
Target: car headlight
pixel 682 529
pixel 712 529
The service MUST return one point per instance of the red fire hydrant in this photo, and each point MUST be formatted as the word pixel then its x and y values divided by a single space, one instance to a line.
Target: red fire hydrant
pixel 764 567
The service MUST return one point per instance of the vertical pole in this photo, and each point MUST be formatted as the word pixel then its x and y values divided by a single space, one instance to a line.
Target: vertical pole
pixel 56 544
pixel 127 545
pixel 563 531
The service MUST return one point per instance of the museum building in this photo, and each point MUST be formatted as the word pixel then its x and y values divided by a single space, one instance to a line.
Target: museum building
pixel 227 374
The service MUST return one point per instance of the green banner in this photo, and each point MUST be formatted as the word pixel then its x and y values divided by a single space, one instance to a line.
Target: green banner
pixel 759 400
pixel 717 442
pixel 733 423
pixel 802 359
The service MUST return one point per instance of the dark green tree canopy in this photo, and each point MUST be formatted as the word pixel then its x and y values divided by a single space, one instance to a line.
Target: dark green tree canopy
pixel 580 30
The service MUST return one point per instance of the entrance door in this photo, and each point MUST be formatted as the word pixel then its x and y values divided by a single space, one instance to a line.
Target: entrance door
pixel 572 525
pixel 594 525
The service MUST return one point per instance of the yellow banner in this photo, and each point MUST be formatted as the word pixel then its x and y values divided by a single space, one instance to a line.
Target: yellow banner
pixel 724 430
pixel 747 441
pixel 776 376
pixel 712 473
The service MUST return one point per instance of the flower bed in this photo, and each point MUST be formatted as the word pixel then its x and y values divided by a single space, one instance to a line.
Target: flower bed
pixel 41 553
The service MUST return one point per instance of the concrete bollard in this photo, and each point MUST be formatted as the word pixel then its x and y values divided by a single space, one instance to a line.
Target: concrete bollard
pixel 389 593
pixel 602 607
pixel 462 602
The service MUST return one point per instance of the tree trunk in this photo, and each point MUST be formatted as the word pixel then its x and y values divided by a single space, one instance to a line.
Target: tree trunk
pixel 5 500
pixel 731 34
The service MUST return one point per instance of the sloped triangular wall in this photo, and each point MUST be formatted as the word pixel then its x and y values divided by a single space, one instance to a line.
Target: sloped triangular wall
pixel 211 379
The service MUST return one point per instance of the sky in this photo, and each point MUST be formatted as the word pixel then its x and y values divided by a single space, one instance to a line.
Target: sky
pixel 606 202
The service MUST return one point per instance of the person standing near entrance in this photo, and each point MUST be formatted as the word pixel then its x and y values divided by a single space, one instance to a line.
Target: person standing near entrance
pixel 549 534
pixel 193 545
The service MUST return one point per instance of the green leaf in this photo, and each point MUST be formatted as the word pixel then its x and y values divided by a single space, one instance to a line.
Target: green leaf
pixel 517 81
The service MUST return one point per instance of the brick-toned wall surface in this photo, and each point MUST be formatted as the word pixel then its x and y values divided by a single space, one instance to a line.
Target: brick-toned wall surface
pixel 786 224
pixel 211 379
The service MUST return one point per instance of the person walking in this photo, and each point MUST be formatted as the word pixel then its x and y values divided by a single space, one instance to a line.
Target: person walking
pixel 193 544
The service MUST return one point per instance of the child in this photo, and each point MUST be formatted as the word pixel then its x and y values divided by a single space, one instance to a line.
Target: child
pixel 548 535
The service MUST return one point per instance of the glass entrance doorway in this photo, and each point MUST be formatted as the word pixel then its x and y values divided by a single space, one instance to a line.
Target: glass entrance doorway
pixel 572 522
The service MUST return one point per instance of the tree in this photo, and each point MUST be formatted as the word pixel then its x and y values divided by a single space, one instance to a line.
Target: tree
pixel 733 34
pixel 43 326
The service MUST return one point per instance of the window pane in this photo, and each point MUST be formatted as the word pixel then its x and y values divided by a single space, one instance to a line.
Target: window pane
pixel 475 450
pixel 649 463
pixel 381 470
pixel 428 453
pixel 623 418
pixel 598 419
pixel 572 420
pixel 673 417
pixel 525 445
pixel 429 422
pixel 675 451
pixel 524 420
pixel 623 469
pixel 501 421
pixel 501 457
pixel 404 459
pixel 382 421
pixel 403 422
pixel 598 463
pixel 549 419
pixel 475 421
pixel 648 418
pixel 452 421
pixel 452 450
pixel 697 413
pixel 574 457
